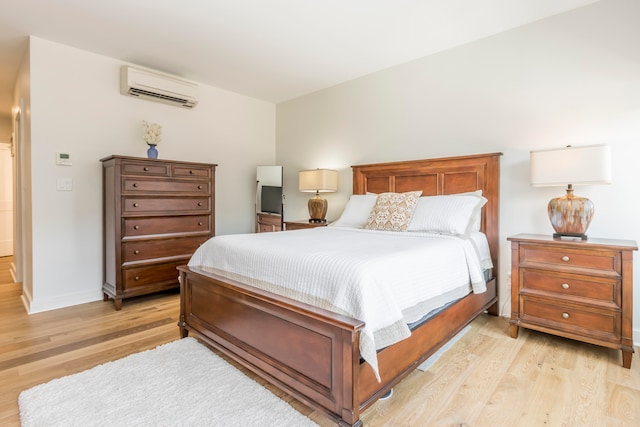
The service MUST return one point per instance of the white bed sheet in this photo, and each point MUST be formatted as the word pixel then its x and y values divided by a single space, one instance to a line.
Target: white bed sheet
pixel 385 279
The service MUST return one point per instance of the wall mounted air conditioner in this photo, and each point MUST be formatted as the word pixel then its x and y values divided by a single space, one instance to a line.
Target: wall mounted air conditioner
pixel 158 87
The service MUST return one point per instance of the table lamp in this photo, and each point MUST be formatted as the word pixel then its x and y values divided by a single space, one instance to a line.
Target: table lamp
pixel 318 181
pixel 571 215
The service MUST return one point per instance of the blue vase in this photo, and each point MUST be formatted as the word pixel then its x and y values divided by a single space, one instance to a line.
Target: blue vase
pixel 152 153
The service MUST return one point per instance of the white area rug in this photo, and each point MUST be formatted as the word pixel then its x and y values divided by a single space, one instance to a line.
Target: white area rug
pixel 177 384
pixel 435 356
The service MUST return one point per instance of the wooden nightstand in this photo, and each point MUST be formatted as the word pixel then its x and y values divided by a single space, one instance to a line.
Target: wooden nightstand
pixel 579 289
pixel 298 225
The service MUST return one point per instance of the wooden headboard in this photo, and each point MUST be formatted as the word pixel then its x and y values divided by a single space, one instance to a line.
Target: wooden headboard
pixel 446 175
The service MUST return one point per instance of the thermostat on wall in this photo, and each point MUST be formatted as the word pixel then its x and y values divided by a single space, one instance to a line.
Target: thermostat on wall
pixel 63 159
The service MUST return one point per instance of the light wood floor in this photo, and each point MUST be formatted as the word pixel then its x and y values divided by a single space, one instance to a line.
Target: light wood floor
pixel 485 379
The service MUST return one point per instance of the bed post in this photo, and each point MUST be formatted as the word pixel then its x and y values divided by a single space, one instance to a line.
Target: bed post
pixel 184 296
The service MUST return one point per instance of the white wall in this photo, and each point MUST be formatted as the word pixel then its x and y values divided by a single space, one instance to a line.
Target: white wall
pixel 570 79
pixel 76 108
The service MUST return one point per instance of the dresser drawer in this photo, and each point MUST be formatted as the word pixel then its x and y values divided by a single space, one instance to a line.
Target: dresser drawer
pixel 603 260
pixel 132 205
pixel 144 168
pixel 597 324
pixel 152 274
pixel 159 186
pixel 191 171
pixel 161 248
pixel 166 225
pixel 567 285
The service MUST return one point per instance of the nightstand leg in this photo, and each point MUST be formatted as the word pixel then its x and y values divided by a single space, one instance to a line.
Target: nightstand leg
pixel 626 359
pixel 513 329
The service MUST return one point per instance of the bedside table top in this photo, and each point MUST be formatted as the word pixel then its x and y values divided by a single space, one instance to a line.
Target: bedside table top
pixel 545 238
pixel 304 224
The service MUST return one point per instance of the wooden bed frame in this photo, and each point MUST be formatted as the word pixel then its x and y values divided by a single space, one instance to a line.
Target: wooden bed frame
pixel 312 353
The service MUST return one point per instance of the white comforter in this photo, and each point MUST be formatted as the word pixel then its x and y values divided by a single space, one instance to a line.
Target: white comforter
pixel 383 278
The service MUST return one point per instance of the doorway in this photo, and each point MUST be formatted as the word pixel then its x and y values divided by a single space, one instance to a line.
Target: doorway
pixel 6 200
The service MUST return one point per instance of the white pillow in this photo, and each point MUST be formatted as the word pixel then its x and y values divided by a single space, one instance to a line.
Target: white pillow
pixel 455 214
pixel 475 225
pixel 356 212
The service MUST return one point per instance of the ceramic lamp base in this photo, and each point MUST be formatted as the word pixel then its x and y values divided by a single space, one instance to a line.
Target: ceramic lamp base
pixel 317 209
pixel 570 215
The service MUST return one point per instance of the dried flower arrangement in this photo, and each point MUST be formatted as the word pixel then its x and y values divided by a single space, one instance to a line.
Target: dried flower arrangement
pixel 152 132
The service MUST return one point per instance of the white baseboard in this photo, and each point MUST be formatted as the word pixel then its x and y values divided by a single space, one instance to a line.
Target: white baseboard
pixel 46 304
pixel 26 299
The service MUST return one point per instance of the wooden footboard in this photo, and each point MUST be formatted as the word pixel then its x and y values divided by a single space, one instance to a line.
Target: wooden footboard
pixel 308 352
pixel 312 354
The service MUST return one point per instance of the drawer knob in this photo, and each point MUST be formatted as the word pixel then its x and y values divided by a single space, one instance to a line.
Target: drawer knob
pixel 199 203
pixel 136 252
pixel 190 172
pixel 565 315
pixel 137 278
pixel 565 286
pixel 146 169
pixel 199 187
pixel 136 227
pixel 565 258
pixel 135 205
pixel 199 222
pixel 135 185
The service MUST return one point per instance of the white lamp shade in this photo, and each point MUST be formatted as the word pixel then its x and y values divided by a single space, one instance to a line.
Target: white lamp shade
pixel 318 180
pixel 586 165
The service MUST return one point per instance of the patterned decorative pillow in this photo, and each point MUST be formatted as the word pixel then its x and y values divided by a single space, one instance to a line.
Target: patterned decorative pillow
pixel 393 211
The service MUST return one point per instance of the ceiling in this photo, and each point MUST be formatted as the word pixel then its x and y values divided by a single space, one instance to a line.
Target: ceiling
pixel 272 50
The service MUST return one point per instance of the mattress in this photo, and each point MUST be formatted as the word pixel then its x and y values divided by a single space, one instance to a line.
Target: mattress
pixel 386 279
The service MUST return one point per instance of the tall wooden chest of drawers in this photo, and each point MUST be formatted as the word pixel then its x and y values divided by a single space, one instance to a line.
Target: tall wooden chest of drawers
pixel 156 214
pixel 579 289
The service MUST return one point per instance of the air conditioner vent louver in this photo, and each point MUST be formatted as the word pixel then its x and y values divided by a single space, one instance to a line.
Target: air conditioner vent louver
pixel 158 87
pixel 139 92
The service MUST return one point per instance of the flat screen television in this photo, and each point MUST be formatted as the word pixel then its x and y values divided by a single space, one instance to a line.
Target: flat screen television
pixel 271 199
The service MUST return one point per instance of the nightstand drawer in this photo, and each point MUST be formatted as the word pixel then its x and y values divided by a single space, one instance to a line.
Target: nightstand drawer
pixel 604 261
pixel 567 285
pixel 596 324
